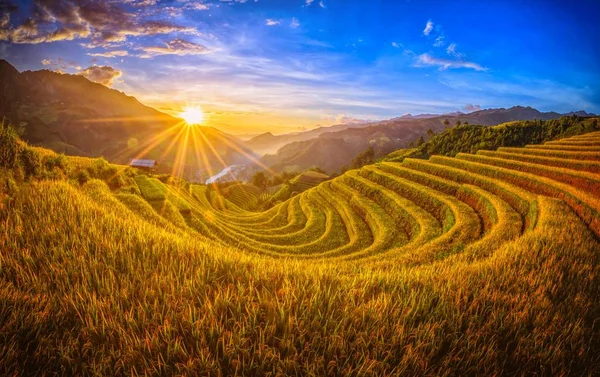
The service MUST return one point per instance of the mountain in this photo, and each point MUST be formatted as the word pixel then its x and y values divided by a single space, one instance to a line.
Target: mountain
pixel 269 143
pixel 387 136
pixel 420 116
pixel 70 114
pixel 327 154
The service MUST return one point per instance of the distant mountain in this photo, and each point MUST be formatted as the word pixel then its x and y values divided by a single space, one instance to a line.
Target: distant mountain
pixel 269 143
pixel 387 136
pixel 420 116
pixel 70 114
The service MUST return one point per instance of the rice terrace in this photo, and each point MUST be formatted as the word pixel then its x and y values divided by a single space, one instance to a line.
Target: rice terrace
pixel 221 232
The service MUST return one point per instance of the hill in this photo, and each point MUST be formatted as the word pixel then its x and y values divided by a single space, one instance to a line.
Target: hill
pixel 483 263
pixel 268 143
pixel 385 137
pixel 70 114
pixel 471 138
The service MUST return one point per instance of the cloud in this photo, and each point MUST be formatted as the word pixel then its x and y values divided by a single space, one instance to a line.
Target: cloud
pixel 141 3
pixel 104 75
pixel 428 60
pixel 272 22
pixel 345 119
pixel 439 41
pixel 451 50
pixel 428 28
pixel 101 21
pixel 321 4
pixel 470 108
pixel 396 44
pixel 175 47
pixel 60 64
pixel 295 23
pixel 110 54
pixel 309 2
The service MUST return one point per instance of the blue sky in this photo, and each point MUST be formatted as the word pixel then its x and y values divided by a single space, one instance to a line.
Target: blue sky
pixel 285 65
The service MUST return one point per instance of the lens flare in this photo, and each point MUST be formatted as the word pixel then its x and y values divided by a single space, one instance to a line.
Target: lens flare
pixel 192 115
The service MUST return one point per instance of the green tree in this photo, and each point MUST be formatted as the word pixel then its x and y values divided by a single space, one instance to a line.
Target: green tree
pixel 32 162
pixel 10 147
pixel 260 180
pixel 430 133
pixel 420 141
pixel 446 122
pixel 365 158
pixel 458 122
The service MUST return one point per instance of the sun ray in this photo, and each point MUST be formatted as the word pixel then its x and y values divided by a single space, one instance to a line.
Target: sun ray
pixel 146 118
pixel 173 142
pixel 245 154
pixel 150 143
pixel 180 159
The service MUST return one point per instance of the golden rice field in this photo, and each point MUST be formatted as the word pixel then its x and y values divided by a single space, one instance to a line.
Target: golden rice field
pixel 483 264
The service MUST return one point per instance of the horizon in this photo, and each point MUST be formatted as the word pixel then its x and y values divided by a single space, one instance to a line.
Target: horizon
pixel 261 66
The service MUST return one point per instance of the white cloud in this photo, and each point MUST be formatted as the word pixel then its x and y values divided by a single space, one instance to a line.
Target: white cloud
pixel 428 28
pixel 104 75
pixel 470 108
pixel 451 50
pixel 347 119
pixel 309 2
pixel 396 44
pixel 321 4
pixel 295 23
pixel 428 60
pixel 175 47
pixel 110 54
pixel 439 41
pixel 272 22
pixel 196 6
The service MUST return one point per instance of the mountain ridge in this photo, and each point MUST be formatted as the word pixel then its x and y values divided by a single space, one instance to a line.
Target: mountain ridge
pixel 71 114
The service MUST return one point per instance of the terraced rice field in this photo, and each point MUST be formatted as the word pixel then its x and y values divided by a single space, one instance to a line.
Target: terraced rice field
pixel 417 211
pixel 243 195
pixel 484 264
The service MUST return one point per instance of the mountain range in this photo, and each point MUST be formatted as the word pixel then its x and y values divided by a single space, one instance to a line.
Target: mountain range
pixel 336 146
pixel 72 115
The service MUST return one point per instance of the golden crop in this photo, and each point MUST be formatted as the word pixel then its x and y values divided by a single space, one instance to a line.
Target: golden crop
pixel 483 264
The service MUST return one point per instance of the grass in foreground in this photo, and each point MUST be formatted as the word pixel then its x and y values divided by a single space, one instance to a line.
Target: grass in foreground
pixel 95 281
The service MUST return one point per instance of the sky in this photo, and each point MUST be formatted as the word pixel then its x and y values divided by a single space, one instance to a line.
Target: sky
pixel 287 65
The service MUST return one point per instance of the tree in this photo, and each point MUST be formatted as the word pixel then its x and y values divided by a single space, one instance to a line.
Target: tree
pixel 420 141
pixel 446 122
pixel 466 123
pixel 260 180
pixel 430 133
pixel 10 147
pixel 365 158
pixel 458 122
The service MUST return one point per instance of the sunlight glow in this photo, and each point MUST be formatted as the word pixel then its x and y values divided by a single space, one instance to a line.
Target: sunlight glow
pixel 192 115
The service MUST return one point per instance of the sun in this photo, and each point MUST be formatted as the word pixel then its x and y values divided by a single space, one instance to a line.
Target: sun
pixel 192 115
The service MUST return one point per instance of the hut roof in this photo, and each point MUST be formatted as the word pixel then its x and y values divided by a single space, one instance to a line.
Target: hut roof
pixel 139 163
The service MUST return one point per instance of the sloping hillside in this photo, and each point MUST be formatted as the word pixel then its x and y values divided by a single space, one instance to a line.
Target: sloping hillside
pixel 485 264
pixel 335 150
pixel 70 114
